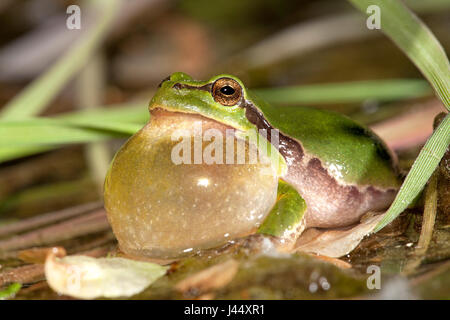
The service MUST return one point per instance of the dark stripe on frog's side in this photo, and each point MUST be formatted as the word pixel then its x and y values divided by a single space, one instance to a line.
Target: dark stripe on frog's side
pixel 289 148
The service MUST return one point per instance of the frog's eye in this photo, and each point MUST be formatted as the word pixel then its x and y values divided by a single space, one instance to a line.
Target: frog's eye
pixel 226 91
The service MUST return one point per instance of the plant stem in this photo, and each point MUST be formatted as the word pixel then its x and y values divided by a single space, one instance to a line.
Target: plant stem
pixel 429 217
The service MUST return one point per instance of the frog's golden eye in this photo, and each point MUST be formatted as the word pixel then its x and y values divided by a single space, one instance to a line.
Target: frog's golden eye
pixel 226 91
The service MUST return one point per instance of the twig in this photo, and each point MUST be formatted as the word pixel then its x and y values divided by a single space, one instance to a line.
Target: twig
pixel 86 224
pixel 24 274
pixel 64 163
pixel 429 214
pixel 47 218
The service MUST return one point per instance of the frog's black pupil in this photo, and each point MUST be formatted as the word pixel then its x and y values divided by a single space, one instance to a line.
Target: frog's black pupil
pixel 227 90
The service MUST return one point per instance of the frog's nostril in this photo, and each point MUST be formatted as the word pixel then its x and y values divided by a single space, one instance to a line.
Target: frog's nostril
pixel 165 79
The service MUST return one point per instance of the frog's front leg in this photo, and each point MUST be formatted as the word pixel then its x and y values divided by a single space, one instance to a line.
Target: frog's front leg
pixel 285 222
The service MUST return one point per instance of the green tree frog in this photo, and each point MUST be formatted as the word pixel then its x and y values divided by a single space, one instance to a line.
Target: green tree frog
pixel 165 201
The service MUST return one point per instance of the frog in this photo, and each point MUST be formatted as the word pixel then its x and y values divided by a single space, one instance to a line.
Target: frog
pixel 325 171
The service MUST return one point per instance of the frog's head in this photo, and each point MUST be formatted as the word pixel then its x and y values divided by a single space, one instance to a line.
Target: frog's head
pixel 222 98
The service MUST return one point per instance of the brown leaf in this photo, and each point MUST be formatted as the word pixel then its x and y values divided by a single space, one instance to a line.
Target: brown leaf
pixel 38 255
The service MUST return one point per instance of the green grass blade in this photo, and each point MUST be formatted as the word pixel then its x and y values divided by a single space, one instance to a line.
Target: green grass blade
pixel 112 121
pixel 381 90
pixel 114 127
pixel 33 135
pixel 34 98
pixel 133 112
pixel 422 169
pixel 10 291
pixel 416 41
pixel 428 5
pixel 44 131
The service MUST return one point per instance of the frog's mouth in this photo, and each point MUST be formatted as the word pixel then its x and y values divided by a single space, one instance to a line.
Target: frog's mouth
pixel 174 117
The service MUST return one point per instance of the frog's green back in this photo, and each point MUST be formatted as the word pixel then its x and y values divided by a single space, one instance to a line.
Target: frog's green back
pixel 349 150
